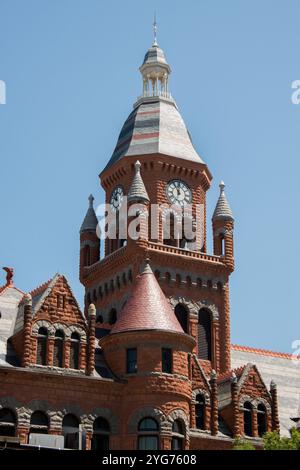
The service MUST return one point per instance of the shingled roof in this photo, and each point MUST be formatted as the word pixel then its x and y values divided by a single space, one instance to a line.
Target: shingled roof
pixel 147 308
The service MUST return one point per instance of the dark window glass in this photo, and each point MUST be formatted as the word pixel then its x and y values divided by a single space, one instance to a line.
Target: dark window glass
pixel 58 349
pixel 7 422
pixel 112 316
pixel 204 335
pixel 148 424
pixel 178 435
pixel 177 443
pixel 39 422
pixel 74 351
pixel 247 419
pixel 199 411
pixel 167 360
pixel 148 442
pixel 101 431
pixel 42 346
pixel 182 316
pixel 131 361
pixel 70 428
pixel 261 420
pixel 87 256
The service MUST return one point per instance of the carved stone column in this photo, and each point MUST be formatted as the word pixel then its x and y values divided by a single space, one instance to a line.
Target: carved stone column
pixel 27 330
pixel 275 414
pixel 91 340
pixel 214 403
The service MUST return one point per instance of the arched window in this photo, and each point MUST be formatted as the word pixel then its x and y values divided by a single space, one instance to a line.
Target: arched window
pixel 200 411
pixel 39 422
pixel 74 351
pixel 87 256
pixel 148 434
pixel 181 313
pixel 177 435
pixel 70 430
pixel 204 334
pixel 58 348
pixel 169 230
pixel 8 422
pixel 41 356
pixel 247 419
pixel 261 419
pixel 112 317
pixel 101 431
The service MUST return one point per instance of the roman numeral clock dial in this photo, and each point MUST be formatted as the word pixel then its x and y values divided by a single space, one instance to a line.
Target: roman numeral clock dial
pixel 116 198
pixel 178 192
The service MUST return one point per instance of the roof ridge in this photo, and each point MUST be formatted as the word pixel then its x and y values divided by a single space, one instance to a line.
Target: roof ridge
pixel 39 289
pixel 266 352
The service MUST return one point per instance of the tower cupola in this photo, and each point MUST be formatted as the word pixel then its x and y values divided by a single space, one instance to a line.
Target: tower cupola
pixel 155 71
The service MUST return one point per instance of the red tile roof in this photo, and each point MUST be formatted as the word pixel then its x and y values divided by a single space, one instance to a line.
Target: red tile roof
pixel 263 352
pixel 147 308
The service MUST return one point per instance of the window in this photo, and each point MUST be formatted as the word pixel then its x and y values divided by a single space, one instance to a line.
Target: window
pixel 8 422
pixel 112 316
pixel 200 411
pixel 204 335
pixel 131 361
pixel 42 346
pixel 39 422
pixel 74 351
pixel 58 348
pixel 166 360
pixel 101 431
pixel 70 430
pixel 177 435
pixel 248 419
pixel 182 316
pixel 261 420
pixel 87 256
pixel 148 434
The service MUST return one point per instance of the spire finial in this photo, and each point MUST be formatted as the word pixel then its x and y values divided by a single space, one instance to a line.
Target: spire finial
pixel 222 186
pixel 91 200
pixel 137 166
pixel 155 31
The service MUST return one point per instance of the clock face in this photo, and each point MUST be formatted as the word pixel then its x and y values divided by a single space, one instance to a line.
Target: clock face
pixel 116 198
pixel 179 193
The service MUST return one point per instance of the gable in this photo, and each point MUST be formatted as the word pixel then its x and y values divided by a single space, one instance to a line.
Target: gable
pixel 199 379
pixel 251 384
pixel 58 304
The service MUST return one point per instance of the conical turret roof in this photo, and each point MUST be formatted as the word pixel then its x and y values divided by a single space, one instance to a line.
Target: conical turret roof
pixel 137 191
pixel 147 308
pixel 90 221
pixel 222 210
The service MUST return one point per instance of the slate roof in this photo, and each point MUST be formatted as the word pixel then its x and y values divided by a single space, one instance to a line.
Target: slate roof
pixel 222 210
pixel 90 221
pixel 137 191
pixel 154 126
pixel 147 308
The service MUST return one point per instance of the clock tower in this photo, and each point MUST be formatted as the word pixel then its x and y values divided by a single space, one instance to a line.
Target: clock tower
pixel 157 174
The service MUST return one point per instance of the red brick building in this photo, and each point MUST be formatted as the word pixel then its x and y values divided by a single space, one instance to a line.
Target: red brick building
pixel 148 363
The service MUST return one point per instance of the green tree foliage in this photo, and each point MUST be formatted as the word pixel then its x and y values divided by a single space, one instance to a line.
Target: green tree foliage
pixel 239 444
pixel 273 441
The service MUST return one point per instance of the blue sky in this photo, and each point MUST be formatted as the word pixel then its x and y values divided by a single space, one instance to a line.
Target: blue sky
pixel 71 72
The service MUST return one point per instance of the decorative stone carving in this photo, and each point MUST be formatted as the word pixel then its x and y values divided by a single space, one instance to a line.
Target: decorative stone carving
pixel 201 391
pixel 194 307
pixel 145 412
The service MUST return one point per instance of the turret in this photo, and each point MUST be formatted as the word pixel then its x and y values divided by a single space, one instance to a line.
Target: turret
pixel 223 224
pixel 89 240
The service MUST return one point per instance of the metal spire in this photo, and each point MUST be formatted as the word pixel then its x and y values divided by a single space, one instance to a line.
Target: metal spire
pixel 155 31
